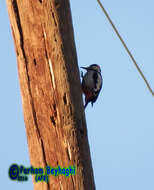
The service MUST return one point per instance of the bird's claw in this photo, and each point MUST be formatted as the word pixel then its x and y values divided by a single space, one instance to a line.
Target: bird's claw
pixel 82 74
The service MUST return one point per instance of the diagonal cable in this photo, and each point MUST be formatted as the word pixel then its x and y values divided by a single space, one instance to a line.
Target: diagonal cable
pixel 125 46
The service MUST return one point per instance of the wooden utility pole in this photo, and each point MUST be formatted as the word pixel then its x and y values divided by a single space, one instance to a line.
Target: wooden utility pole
pixel 51 90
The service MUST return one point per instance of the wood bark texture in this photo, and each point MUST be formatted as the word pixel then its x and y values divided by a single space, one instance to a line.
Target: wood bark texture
pixel 51 90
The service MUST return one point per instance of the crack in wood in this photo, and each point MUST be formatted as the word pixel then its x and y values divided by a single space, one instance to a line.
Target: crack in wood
pixel 55 39
pixel 49 62
pixel 54 19
pixel 54 107
pixel 55 110
pixel 65 99
pixel 81 132
pixel 17 17
pixel 53 120
pixel 68 154
pixel 69 151
pixel 46 53
pixel 34 61
pixel 73 182
pixel 71 111
pixel 44 156
pixel 52 73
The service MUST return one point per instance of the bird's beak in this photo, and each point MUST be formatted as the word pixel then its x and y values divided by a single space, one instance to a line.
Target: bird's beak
pixel 84 68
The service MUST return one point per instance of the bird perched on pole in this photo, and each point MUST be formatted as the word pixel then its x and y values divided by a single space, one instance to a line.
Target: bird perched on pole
pixel 91 83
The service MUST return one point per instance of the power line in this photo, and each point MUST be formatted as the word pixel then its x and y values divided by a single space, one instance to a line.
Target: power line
pixel 125 46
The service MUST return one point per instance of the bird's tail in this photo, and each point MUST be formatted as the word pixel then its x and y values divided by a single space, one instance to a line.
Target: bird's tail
pixel 85 104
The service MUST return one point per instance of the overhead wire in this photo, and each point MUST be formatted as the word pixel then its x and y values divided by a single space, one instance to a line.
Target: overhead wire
pixel 126 48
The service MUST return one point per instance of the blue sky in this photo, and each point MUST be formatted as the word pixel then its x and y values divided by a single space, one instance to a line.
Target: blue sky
pixel 121 123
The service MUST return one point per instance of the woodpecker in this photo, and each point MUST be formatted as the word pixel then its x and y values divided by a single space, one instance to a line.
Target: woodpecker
pixel 91 83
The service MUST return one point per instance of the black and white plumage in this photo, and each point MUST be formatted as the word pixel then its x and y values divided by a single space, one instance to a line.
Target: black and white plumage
pixel 91 83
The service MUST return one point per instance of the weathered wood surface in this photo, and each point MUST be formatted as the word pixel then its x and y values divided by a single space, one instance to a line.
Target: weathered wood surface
pixel 51 91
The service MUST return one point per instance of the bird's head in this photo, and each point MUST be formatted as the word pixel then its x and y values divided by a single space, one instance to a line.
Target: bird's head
pixel 93 67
